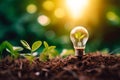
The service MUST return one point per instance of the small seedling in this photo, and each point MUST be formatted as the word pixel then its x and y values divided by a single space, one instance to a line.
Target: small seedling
pixel 48 52
pixel 10 48
pixel 32 49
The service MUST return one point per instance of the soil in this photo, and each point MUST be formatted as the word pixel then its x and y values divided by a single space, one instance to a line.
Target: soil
pixel 92 66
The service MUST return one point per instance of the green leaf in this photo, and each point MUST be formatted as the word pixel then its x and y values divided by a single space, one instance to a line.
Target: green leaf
pixel 2 46
pixel 15 54
pixel 12 51
pixel 51 47
pixel 5 45
pixel 17 48
pixel 9 47
pixel 36 45
pixel 53 53
pixel 45 44
pixel 43 57
pixel 45 50
pixel 48 49
pixel 25 44
pixel 48 53
pixel 29 57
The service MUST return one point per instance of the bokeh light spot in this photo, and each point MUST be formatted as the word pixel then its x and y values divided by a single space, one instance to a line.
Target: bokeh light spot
pixel 111 16
pixel 59 13
pixel 48 5
pixel 43 20
pixel 31 8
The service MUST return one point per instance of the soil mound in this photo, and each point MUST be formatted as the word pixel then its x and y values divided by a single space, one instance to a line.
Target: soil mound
pixel 93 66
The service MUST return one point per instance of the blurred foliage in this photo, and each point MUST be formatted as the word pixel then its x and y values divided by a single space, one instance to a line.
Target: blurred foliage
pixel 66 53
pixel 48 20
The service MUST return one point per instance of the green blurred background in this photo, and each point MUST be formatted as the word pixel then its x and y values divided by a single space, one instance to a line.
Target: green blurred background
pixel 52 21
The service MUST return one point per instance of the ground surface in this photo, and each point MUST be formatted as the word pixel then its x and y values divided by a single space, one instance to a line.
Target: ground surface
pixel 91 67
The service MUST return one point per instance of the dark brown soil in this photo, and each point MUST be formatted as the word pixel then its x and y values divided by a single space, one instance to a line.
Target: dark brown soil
pixel 91 67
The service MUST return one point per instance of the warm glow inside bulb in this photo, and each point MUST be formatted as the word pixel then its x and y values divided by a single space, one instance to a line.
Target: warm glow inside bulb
pixel 79 36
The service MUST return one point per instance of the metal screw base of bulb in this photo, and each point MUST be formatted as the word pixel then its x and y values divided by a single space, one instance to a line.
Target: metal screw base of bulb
pixel 79 52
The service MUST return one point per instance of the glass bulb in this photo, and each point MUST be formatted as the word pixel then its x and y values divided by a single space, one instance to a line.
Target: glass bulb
pixel 79 36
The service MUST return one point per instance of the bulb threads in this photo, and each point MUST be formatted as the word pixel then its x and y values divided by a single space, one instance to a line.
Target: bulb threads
pixel 79 52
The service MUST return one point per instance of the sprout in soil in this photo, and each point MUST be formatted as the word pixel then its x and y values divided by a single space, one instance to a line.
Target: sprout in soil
pixel 32 49
pixel 79 36
pixel 13 50
pixel 49 52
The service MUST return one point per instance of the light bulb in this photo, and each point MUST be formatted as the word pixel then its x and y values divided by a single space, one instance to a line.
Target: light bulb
pixel 79 36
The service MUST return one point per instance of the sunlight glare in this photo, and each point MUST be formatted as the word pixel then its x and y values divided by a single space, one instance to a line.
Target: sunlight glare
pixel 76 7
